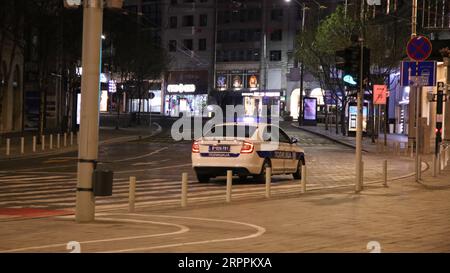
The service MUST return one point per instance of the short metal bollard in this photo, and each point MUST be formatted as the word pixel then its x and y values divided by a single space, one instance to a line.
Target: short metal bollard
pixel 22 145
pixel 184 189
pixel 268 181
pixel 43 142
pixel 412 149
pixel 229 184
pixel 8 146
pixel 58 141
pixel 71 138
pixel 51 142
pixel 385 173
pixel 303 179
pixel 132 194
pixel 34 144
pixel 434 165
pixel 65 140
pixel 419 168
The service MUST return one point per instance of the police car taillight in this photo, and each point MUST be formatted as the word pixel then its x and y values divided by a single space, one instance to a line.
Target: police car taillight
pixel 247 148
pixel 195 147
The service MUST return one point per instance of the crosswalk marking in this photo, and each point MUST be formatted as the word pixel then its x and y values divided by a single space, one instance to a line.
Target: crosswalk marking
pixel 58 191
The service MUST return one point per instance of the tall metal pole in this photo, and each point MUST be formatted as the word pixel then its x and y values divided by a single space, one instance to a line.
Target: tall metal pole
pixel 359 120
pixel 90 85
pixel 300 114
pixel 417 92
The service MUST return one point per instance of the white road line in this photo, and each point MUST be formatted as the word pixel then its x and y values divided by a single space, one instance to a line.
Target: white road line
pixel 259 231
pixel 159 168
pixel 141 156
pixel 182 229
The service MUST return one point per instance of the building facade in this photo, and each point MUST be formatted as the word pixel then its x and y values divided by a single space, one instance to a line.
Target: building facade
pixel 188 37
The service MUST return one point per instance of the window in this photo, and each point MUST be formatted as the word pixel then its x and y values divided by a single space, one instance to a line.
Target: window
pixel 172 45
pixel 188 21
pixel 276 15
pixel 188 44
pixel 276 35
pixel 203 20
pixel 275 55
pixel 201 44
pixel 173 22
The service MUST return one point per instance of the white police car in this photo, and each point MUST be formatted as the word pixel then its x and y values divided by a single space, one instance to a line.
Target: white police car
pixel 247 150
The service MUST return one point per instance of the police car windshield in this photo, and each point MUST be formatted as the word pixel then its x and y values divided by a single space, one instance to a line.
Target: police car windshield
pixel 232 131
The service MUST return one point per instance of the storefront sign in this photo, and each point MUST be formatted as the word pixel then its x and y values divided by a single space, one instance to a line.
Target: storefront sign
pixel 181 88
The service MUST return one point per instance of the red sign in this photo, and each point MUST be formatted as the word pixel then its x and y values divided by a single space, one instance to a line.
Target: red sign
pixel 379 94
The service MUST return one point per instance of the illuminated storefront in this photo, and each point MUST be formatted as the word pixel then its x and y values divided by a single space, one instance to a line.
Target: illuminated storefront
pixel 187 91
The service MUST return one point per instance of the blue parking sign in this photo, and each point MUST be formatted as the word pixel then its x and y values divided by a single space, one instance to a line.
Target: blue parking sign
pixel 425 72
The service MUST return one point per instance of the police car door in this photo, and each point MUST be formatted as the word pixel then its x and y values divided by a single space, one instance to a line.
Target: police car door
pixel 272 147
pixel 285 150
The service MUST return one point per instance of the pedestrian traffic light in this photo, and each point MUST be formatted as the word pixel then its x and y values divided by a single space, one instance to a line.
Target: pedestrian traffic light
pixel 349 61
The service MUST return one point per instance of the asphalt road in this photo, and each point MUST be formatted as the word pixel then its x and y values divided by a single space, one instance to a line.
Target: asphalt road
pixel 157 163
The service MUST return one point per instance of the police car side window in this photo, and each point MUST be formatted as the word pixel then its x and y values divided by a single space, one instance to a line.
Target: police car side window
pixel 284 137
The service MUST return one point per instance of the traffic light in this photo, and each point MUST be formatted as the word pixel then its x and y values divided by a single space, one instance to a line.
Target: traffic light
pixel 349 60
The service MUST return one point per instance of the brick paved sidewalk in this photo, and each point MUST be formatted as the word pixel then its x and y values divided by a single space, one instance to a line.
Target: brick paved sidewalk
pixel 350 141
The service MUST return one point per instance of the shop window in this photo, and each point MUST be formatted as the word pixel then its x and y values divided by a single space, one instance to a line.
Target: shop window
pixel 275 55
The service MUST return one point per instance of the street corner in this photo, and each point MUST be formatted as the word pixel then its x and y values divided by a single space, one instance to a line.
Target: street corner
pixel 121 233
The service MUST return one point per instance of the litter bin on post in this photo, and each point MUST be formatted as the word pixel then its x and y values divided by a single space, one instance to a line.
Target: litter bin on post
pixel 102 182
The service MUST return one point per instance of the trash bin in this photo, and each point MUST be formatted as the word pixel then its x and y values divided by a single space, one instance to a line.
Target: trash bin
pixel 102 182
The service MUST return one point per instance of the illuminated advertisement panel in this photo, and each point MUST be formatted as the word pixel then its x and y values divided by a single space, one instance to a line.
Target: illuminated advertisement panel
pixel 309 111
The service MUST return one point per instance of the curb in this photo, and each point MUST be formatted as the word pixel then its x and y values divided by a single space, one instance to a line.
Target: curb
pixel 327 137
pixel 75 146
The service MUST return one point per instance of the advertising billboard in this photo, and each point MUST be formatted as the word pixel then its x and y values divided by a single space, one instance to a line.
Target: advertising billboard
pixel 309 111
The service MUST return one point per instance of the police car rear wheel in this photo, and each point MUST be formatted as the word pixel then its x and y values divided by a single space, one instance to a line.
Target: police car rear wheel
pixel 262 176
pixel 298 173
pixel 202 178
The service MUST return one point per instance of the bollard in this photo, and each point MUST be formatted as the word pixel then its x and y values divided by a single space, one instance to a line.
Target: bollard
pixel 303 179
pixel 71 138
pixel 268 181
pixel 184 189
pixel 419 168
pixel 229 183
pixel 132 194
pixel 362 174
pixel 51 142
pixel 434 165
pixel 22 145
pixel 58 141
pixel 412 149
pixel 8 144
pixel 43 142
pixel 34 144
pixel 385 173
pixel 65 140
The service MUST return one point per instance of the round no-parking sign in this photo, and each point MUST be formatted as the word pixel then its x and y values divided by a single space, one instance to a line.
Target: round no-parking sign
pixel 419 48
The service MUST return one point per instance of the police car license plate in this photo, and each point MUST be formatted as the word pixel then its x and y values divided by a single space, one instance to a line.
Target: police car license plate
pixel 219 148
